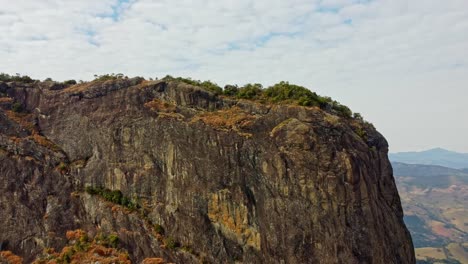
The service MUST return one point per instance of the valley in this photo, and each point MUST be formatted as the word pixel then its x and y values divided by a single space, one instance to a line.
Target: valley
pixel 434 199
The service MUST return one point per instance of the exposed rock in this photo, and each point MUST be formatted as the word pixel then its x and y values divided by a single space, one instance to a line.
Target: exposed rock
pixel 229 181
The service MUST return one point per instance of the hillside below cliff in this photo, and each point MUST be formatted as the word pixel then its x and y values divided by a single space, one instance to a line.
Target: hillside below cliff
pixel 181 172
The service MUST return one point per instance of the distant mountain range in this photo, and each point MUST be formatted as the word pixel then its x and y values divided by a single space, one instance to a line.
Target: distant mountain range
pixel 436 213
pixel 436 156
pixel 430 176
pixel 433 187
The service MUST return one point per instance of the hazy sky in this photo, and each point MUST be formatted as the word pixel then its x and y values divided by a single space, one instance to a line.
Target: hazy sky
pixel 402 64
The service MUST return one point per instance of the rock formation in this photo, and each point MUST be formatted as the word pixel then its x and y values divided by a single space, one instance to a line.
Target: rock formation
pixel 193 177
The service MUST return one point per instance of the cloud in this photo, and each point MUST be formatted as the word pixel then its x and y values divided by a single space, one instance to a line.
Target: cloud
pixel 367 54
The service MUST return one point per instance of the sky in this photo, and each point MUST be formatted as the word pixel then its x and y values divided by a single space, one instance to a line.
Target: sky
pixel 402 64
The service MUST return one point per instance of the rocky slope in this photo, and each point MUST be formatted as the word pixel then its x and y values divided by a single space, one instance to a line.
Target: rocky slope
pixel 196 177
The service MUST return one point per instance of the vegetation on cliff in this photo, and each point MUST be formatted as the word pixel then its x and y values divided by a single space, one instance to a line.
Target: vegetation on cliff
pixel 4 77
pixel 280 93
pixel 83 249
pixel 115 196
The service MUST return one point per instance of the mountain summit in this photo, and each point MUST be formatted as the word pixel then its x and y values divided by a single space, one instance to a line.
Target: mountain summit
pixel 179 171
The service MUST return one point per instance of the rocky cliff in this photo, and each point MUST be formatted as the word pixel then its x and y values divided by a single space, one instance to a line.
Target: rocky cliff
pixel 180 173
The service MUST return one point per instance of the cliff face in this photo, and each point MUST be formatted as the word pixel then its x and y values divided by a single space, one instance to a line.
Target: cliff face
pixel 210 179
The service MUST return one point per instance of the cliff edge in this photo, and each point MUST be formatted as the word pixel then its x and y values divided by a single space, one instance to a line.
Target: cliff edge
pixel 174 171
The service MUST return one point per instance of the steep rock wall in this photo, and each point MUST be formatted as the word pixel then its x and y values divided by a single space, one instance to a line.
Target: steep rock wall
pixel 230 181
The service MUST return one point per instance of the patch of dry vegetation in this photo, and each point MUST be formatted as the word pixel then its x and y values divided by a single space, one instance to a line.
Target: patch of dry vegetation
pixel 164 109
pixel 153 261
pixel 81 249
pixel 430 252
pixel 459 251
pixel 161 106
pixel 232 118
pixel 22 119
pixel 6 100
pixel 25 121
pixel 9 258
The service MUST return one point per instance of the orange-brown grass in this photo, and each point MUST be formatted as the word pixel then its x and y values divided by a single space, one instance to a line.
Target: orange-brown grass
pixel 10 258
pixel 24 120
pixel 164 109
pixel 83 250
pixel 6 99
pixel 43 141
pixel 15 139
pixel 145 83
pixel 161 106
pixel 231 118
pixel 82 86
pixel 75 234
pixel 152 261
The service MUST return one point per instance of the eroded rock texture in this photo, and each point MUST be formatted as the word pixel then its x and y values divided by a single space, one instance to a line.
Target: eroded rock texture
pixel 229 181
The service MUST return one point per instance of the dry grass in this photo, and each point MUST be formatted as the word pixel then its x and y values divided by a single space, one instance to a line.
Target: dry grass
pixel 75 235
pixel 281 125
pixel 161 106
pixel 459 252
pixel 43 141
pixel 232 118
pixel 152 261
pixel 82 250
pixel 6 100
pixel 164 109
pixel 10 258
pixel 331 119
pixel 81 87
pixel 429 252
pixel 25 121
pixel 21 119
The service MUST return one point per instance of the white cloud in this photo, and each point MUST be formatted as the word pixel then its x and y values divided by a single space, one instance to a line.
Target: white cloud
pixel 385 58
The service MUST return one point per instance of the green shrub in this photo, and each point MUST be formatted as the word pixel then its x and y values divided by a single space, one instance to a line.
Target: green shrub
pixel 284 91
pixel 17 107
pixel 250 91
pixel 125 201
pixel 171 243
pixel 206 85
pixel 188 249
pixel 168 78
pixel 361 133
pixel 280 92
pixel 115 196
pixel 212 87
pixel 231 90
pixel 15 78
pixel 159 229
pixel 70 82
pixel 107 77
pixel 62 166
pixel 91 190
pixel 358 116
pixel 342 110
pixel 113 240
pixel 82 244
pixel 67 257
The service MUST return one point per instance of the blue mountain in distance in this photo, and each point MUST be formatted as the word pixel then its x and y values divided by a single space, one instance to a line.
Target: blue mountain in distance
pixel 436 156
